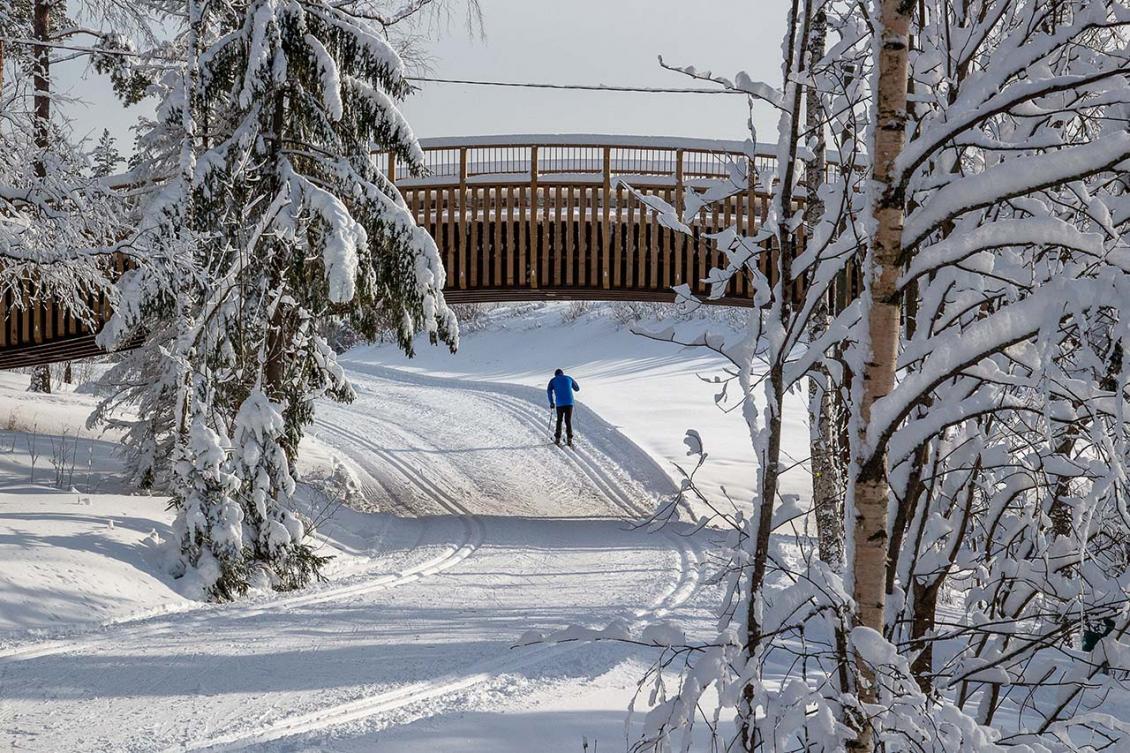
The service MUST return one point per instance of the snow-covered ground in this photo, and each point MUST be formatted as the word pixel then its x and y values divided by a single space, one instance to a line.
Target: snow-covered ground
pixel 475 530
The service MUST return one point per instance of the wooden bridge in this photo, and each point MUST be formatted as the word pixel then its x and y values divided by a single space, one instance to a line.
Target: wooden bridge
pixel 525 218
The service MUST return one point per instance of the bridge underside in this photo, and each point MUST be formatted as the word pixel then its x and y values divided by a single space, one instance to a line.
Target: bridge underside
pixel 507 295
pixel 74 347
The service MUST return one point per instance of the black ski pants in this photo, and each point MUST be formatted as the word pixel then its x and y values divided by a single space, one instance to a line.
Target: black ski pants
pixel 564 412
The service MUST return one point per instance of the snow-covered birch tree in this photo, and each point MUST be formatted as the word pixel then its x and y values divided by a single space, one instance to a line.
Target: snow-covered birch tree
pixel 981 198
pixel 57 223
pixel 1006 180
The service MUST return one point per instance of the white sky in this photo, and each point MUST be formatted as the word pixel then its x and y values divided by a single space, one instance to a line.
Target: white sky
pixel 561 41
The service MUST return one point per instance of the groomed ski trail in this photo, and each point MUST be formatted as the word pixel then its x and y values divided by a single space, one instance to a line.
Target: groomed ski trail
pixel 483 672
pixel 622 473
pixel 454 478
pixel 374 459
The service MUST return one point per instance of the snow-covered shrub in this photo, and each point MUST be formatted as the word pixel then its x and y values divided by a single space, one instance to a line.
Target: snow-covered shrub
pixel 575 310
pixel 474 317
pixel 627 313
pixel 340 336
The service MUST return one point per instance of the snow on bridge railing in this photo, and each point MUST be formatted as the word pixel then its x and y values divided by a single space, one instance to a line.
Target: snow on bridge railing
pixel 570 157
pixel 735 146
pixel 517 158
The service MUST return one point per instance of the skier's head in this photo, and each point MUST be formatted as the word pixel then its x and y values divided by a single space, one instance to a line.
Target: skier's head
pixel 559 372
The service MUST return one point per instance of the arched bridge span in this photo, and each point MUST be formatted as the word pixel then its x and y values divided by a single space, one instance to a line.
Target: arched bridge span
pixel 526 218
pixel 536 217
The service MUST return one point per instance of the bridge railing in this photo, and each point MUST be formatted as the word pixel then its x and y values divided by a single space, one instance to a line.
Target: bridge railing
pixel 524 157
pixel 35 330
pixel 538 216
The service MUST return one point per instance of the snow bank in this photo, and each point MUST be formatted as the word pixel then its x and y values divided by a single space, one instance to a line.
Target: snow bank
pixel 77 549
pixel 65 410
pixel 74 558
pixel 71 552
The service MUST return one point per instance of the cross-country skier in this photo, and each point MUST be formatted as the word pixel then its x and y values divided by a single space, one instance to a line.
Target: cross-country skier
pixel 560 393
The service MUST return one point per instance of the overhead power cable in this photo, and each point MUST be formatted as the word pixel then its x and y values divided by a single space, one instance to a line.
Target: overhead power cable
pixel 429 79
pixel 574 87
pixel 73 48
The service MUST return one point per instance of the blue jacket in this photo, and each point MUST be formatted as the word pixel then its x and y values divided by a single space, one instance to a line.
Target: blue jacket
pixel 560 390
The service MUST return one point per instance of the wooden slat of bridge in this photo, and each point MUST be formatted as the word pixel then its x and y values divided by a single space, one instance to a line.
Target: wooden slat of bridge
pixel 523 218
pixel 36 331
pixel 530 219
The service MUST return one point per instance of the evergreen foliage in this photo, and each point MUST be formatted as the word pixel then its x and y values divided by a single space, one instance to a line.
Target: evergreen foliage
pixel 285 223
pixel 105 157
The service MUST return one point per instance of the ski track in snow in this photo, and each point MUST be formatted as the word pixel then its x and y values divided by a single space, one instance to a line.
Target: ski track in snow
pixel 428 473
pixel 578 456
pixel 622 459
pixel 678 593
pixel 147 625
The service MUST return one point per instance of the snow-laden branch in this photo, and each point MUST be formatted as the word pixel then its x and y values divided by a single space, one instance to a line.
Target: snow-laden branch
pixel 331 78
pixel 1004 233
pixel 1012 178
pixel 949 353
pixel 956 122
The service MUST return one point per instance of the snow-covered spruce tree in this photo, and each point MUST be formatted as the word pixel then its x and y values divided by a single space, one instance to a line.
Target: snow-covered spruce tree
pixel 275 117
pixel 105 156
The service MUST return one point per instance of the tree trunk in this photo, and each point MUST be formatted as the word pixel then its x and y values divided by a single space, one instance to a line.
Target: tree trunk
pixel 276 369
pixel 782 308
pixel 924 617
pixel 871 488
pixel 41 80
pixel 825 487
pixel 68 373
pixel 826 498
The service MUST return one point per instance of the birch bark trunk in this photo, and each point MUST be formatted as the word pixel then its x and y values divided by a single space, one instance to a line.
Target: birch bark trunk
pixel 884 308
pixel 827 503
